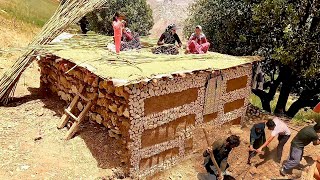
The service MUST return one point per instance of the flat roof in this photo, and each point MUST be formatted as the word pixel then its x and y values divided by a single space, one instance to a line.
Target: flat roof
pixel 133 66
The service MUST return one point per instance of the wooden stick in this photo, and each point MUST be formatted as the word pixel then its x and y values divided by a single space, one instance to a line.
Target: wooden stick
pixel 311 171
pixel 211 155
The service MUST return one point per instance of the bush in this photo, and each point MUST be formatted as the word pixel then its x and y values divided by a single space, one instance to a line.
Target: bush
pixel 138 15
pixel 286 33
pixel 225 24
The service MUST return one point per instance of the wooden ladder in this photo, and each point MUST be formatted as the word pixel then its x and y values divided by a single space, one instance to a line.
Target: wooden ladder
pixel 68 113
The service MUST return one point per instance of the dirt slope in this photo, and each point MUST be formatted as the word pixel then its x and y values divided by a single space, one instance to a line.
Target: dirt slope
pixel 261 168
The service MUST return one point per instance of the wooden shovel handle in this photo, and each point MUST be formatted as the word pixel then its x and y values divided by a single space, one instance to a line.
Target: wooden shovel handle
pixel 211 154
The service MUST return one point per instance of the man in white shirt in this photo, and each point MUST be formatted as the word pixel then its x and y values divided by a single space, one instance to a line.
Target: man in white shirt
pixel 280 129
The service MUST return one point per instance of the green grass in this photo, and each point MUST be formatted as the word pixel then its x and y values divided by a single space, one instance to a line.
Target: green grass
pixel 35 12
pixel 255 100
pixel 301 117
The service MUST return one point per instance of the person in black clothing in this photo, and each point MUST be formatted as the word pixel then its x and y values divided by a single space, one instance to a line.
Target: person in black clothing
pixel 84 25
pixel 62 1
pixel 220 150
pixel 170 36
pixel 167 41
pixel 257 139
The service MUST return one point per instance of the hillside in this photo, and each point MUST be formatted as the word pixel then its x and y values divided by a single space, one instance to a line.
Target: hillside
pixel 29 11
pixel 166 12
pixel 37 12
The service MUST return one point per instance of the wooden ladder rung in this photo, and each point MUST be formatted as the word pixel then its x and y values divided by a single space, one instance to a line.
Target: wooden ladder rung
pixel 70 114
pixel 75 125
pixel 65 117
pixel 82 97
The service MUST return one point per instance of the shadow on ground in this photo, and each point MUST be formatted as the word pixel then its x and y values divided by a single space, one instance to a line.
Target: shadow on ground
pixel 269 155
pixel 104 149
pixel 17 101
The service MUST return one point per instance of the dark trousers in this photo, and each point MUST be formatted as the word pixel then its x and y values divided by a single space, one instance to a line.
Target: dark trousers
pixel 211 169
pixel 256 144
pixel 282 141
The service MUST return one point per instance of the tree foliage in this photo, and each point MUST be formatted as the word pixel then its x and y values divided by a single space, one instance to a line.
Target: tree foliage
pixel 138 15
pixel 285 32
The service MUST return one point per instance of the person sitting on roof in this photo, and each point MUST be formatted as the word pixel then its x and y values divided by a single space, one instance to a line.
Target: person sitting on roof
pixel 198 43
pixel 169 37
pixel 129 40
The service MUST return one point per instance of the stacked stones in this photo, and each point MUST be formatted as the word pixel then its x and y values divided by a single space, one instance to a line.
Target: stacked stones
pixel 163 114
pixel 154 119
pixel 234 94
pixel 111 107
pixel 253 112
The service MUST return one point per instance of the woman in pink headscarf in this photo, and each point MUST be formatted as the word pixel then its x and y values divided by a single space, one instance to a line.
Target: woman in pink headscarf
pixel 117 30
pixel 198 43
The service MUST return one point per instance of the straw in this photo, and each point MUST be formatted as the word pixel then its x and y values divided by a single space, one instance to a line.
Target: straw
pixel 69 12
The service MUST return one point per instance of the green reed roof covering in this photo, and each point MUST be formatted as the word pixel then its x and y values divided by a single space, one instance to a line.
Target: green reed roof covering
pixel 91 53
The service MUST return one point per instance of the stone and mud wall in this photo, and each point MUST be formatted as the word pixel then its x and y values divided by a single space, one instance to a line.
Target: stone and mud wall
pixel 155 120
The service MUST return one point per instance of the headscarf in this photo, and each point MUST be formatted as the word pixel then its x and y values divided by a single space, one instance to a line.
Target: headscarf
pixel 199 27
pixel 171 26
pixel 168 35
pixel 254 134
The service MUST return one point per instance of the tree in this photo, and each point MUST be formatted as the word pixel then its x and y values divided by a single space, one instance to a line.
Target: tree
pixel 138 15
pixel 285 32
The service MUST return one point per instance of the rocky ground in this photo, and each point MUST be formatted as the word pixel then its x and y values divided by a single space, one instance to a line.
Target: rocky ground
pixel 33 148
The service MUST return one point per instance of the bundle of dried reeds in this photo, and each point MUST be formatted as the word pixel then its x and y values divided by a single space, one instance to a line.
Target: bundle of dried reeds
pixel 68 12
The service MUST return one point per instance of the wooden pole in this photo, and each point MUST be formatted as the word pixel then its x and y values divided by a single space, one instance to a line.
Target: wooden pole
pixel 211 155
pixel 311 171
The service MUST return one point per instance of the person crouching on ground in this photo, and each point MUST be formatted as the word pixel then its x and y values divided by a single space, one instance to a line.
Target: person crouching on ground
pixel 280 129
pixel 304 137
pixel 257 139
pixel 220 150
pixel 129 40
pixel 197 43
pixel 169 37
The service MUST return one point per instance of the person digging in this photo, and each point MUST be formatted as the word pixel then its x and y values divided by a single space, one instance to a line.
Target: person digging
pixel 220 151
pixel 314 172
pixel 304 137
pixel 257 139
pixel 280 129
